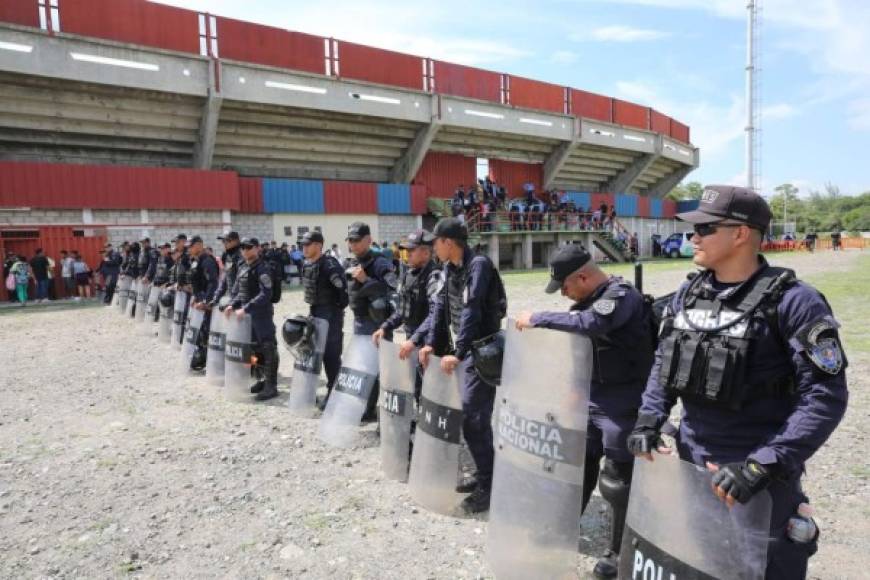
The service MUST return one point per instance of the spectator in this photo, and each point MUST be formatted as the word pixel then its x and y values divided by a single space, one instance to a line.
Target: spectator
pixel 298 259
pixel 22 273
pixel 635 245
pixel 836 240
pixel 82 277
pixel 39 267
pixel 334 252
pixel 386 252
pixel 7 270
pixel 66 272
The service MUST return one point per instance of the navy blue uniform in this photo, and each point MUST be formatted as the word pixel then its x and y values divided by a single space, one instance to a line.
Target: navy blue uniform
pixel 162 273
pixel 232 261
pixel 469 305
pixel 326 294
pixel 777 410
pixel 381 281
pixel 252 292
pixel 110 268
pixel 147 262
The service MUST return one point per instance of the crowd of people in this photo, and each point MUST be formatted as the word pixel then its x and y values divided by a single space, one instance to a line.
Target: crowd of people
pixel 36 277
pixel 484 206
pixel 758 400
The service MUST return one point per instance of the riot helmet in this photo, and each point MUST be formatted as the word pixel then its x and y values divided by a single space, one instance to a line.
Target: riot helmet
pixel 167 298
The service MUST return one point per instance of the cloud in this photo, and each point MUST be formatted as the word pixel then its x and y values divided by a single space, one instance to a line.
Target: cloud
pixel 778 111
pixel 564 57
pixel 619 33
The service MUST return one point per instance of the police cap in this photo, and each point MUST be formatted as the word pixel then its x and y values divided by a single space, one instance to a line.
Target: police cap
pixel 565 261
pixel 416 239
pixel 249 242
pixel 721 202
pixel 450 228
pixel 195 240
pixel 310 238
pixel 229 236
pixel 179 237
pixel 357 231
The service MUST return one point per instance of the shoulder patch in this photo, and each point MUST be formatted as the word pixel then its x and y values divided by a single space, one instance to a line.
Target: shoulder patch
pixel 265 280
pixel 337 281
pixel 821 344
pixel 604 306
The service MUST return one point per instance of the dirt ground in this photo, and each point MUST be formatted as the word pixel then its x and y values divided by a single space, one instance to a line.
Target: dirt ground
pixel 114 464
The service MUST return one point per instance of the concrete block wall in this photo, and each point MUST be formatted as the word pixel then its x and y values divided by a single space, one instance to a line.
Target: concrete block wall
pixel 253 224
pixel 392 228
pixel 40 216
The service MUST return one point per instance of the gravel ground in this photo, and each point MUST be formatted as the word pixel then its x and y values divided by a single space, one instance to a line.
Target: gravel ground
pixel 113 464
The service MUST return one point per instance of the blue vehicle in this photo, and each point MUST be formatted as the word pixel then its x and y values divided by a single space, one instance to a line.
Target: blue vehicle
pixel 678 245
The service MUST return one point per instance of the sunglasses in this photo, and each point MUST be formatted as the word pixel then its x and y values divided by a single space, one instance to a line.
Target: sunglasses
pixel 704 230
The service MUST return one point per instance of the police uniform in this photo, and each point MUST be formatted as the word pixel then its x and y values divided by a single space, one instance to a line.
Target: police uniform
pixel 417 291
pixel 325 287
pixel 163 271
pixel 252 293
pixel 760 371
pixel 232 261
pixel 203 276
pixel 147 262
pixel 619 326
pixel 362 296
pixel 110 268
pixel 130 268
pixel 471 306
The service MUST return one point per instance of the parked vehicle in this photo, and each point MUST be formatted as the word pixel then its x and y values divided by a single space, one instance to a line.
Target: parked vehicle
pixel 678 245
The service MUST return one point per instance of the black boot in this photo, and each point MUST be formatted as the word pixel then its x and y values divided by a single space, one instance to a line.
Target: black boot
pixel 478 501
pixel 606 567
pixel 270 364
pixel 258 386
pixel 467 484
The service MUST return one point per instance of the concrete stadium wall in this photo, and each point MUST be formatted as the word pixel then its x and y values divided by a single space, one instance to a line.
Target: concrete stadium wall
pixel 257 225
pixel 393 228
pixel 40 216
pixel 333 226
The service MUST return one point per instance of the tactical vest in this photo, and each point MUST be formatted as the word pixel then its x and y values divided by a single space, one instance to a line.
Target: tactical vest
pixel 359 305
pixel 414 296
pixel 181 269
pixel 131 265
pixel 707 343
pixel 196 274
pixel 492 309
pixel 232 260
pixel 163 271
pixel 144 259
pixel 616 363
pixel 248 281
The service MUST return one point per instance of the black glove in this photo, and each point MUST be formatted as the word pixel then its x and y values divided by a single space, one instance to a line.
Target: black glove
pixel 645 437
pixel 742 480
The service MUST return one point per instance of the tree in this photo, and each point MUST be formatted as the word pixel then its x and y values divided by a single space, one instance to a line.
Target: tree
pixel 691 190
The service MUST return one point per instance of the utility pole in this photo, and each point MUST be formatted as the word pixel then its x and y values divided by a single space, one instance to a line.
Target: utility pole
pixel 751 94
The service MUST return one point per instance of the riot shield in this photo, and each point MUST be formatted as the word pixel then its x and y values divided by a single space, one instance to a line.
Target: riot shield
pixel 132 293
pixel 191 338
pixel 339 425
pixel 539 431
pixel 152 307
pixel 217 338
pixel 435 465
pixel 164 327
pixel 306 374
pixel 238 352
pixel 123 291
pixel 178 314
pixel 142 294
pixel 677 528
pixel 397 409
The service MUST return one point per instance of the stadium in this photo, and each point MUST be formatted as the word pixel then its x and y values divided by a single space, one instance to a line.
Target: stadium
pixel 122 118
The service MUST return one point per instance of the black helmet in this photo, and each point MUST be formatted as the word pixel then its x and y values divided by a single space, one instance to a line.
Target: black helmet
pixel 167 298
pixel 293 330
pixel 488 353
pixel 224 302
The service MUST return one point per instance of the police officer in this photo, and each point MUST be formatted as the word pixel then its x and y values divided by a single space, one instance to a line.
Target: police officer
pixel 147 263
pixel 755 357
pixel 418 287
pixel 472 304
pixel 130 268
pixel 611 313
pixel 165 263
pixel 203 281
pixel 252 294
pixel 232 261
pixel 182 262
pixel 373 279
pixel 325 287
pixel 110 268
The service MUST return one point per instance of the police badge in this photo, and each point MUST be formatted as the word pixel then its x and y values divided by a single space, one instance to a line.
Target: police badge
pixel 604 306
pixel 824 352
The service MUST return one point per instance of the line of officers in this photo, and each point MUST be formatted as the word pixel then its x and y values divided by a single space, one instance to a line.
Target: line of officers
pixel 752 353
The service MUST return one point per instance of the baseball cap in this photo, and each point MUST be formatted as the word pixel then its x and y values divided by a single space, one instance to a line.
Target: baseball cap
pixel 179 237
pixel 721 202
pixel 416 239
pixel 249 242
pixel 229 236
pixel 165 245
pixel 450 228
pixel 195 240
pixel 145 239
pixel 565 261
pixel 357 231
pixel 311 237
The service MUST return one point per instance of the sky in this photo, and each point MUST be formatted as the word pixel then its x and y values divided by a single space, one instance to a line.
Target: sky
pixel 685 58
